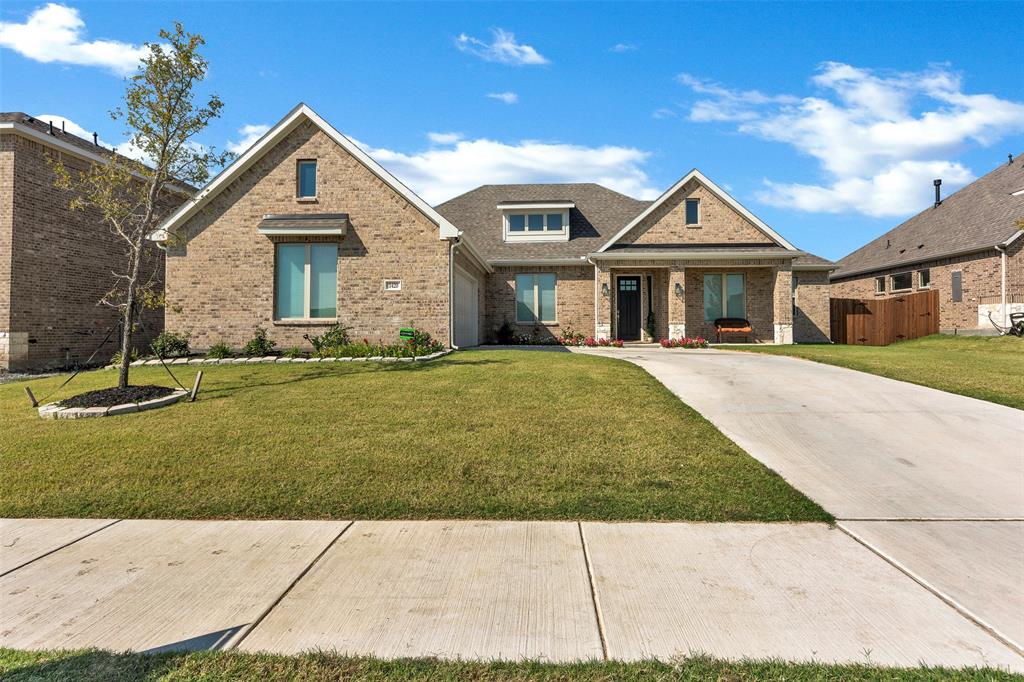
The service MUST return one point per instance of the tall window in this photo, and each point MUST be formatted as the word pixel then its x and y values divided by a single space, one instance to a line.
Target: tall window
pixel 306 281
pixel 725 295
pixel 924 279
pixel 306 183
pixel 879 285
pixel 693 211
pixel 535 298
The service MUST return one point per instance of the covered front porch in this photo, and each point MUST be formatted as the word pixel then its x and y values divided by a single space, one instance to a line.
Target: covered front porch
pixel 649 300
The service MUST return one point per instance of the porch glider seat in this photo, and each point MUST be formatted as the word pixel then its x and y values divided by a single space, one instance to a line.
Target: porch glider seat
pixel 305 224
pixel 732 325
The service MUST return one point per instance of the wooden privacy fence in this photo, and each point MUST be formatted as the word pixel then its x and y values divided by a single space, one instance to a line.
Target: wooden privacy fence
pixel 881 321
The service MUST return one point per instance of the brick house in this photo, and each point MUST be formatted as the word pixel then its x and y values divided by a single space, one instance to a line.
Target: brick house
pixel 305 230
pixel 967 246
pixel 55 263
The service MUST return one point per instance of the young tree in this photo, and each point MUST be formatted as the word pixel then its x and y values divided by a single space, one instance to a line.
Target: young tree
pixel 162 118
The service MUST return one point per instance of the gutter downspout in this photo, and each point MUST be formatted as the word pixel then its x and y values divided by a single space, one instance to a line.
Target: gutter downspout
pixel 453 242
pixel 597 294
pixel 1002 284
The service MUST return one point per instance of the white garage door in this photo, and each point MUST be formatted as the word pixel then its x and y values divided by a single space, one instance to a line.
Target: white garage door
pixel 465 309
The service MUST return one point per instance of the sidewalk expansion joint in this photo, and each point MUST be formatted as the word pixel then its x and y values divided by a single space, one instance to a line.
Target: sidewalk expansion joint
pixel 57 549
pixel 233 644
pixel 949 601
pixel 593 592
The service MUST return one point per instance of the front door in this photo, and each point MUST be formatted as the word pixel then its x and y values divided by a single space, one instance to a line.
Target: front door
pixel 627 308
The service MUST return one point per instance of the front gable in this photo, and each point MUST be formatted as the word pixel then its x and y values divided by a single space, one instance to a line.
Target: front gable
pixel 721 219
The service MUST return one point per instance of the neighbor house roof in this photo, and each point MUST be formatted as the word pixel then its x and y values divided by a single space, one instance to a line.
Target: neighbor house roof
pixel 980 216
pixel 39 130
pixel 300 114
pixel 599 212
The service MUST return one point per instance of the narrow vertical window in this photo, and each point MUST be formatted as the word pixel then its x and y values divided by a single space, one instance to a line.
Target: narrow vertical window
pixel 712 297
pixel 290 281
pixel 693 211
pixel 958 286
pixel 725 296
pixel 307 179
pixel 879 285
pixel 924 279
pixel 323 280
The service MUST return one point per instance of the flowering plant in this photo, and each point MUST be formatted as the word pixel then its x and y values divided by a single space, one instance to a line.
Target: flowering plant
pixel 685 342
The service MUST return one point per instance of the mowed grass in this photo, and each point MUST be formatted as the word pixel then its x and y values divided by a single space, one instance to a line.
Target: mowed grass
pixel 21 666
pixel 986 367
pixel 478 434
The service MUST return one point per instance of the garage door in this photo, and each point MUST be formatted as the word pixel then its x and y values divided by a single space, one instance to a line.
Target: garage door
pixel 465 309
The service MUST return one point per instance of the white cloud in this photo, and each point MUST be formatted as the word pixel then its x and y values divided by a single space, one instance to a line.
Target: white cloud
pixel 249 134
pixel 879 139
pixel 444 138
pixel 506 97
pixel 663 113
pixel 503 48
pixel 441 173
pixel 54 33
pixel 622 47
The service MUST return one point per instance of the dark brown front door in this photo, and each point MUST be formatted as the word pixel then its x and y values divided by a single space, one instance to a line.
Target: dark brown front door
pixel 628 308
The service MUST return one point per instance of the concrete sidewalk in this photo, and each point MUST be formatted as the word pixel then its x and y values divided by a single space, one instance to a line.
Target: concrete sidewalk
pixel 553 591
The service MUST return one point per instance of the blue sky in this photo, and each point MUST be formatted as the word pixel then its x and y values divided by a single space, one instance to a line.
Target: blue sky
pixel 827 120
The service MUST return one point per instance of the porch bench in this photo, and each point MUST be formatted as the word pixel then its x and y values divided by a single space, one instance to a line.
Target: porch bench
pixel 732 325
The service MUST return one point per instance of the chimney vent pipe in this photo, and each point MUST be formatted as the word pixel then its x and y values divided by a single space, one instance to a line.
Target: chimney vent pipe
pixel 94 137
pixel 938 194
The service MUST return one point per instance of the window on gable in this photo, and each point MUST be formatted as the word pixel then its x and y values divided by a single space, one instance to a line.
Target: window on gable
pixel 306 281
pixel 902 281
pixel 306 179
pixel 535 298
pixel 693 212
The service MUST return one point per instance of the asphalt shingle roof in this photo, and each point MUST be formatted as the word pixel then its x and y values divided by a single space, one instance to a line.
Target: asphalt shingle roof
pixel 979 216
pixel 598 215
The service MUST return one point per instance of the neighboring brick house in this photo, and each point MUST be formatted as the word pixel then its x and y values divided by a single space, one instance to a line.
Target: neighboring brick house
pixel 55 263
pixel 305 230
pixel 967 246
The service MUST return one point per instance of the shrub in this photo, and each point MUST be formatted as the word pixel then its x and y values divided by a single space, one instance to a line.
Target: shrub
pixel 324 345
pixel 259 344
pixel 571 337
pixel 618 343
pixel 170 345
pixel 132 357
pixel 420 343
pixel 219 350
pixel 294 352
pixel 505 334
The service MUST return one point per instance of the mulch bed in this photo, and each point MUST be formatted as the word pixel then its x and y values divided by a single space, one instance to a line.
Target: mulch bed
pixel 108 397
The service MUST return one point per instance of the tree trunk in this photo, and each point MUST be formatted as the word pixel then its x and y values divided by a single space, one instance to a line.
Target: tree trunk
pixel 128 319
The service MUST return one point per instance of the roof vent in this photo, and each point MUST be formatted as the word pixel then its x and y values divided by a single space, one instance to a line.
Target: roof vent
pixel 62 128
pixel 938 194
pixel 1010 157
pixel 95 137
pixel 51 127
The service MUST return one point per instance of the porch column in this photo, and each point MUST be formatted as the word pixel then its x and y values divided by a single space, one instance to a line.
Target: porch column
pixel 784 303
pixel 676 301
pixel 603 302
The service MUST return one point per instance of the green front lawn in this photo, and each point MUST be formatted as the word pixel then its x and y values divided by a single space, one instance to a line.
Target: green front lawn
pixel 21 666
pixel 986 367
pixel 478 434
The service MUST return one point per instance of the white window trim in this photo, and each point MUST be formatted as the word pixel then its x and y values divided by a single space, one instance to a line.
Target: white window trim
pixel 725 289
pixel 700 212
pixel 924 286
pixel 544 236
pixel 307 288
pixel 892 282
pixel 879 280
pixel 536 297
pixel 298 180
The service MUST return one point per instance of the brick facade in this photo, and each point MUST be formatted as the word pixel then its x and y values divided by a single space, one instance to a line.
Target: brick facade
pixel 220 285
pixel 811 307
pixel 55 266
pixel 981 279
pixel 719 223
pixel 574 300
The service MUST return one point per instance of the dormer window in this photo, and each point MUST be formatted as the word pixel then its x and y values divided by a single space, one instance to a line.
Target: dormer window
pixel 535 221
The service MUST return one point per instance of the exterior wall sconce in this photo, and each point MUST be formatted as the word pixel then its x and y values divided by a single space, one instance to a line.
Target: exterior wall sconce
pixel 604 288
pixel 679 289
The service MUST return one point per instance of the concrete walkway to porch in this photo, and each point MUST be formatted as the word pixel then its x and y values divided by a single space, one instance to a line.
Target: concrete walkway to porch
pixel 553 591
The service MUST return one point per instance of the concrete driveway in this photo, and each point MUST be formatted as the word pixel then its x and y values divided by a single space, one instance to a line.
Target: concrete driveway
pixel 931 481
